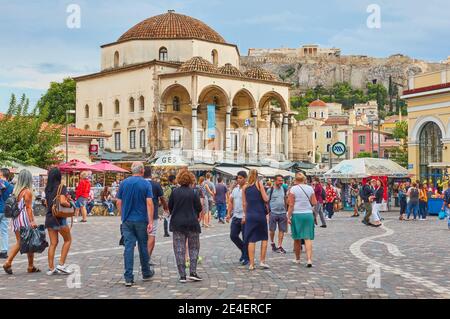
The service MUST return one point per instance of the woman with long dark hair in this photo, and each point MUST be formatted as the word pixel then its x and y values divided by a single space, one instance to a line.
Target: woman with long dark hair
pixel 56 226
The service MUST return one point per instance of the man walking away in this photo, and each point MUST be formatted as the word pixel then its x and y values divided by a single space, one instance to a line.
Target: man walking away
pixel 366 194
pixel 135 202
pixel 158 196
pixel 331 196
pixel 6 190
pixel 320 193
pixel 278 214
pixel 236 212
pixel 221 200
pixel 210 197
pixel 167 192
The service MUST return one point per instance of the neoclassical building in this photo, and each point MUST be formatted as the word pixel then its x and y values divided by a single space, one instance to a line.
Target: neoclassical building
pixel 171 83
pixel 428 99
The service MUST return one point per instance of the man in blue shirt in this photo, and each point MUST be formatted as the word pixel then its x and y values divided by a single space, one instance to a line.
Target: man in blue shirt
pixel 6 190
pixel 135 203
pixel 158 196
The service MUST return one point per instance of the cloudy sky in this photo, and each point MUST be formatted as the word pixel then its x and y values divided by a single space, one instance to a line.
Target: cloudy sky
pixel 37 47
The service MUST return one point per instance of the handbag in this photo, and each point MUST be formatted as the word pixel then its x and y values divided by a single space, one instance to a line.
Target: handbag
pixel 442 215
pixel 61 207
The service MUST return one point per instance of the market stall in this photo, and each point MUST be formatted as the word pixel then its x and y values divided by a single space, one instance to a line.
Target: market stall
pixel 362 169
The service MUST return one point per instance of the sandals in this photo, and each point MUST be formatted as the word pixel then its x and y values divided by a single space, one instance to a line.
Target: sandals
pixel 8 270
pixel 33 270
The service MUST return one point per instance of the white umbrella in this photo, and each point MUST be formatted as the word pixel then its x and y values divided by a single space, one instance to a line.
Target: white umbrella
pixel 366 167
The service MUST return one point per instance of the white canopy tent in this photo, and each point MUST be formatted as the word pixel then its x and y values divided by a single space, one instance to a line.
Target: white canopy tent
pixel 35 171
pixel 230 170
pixel 366 167
pixel 271 172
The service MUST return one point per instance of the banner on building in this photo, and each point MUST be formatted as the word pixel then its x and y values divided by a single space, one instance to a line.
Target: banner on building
pixel 211 122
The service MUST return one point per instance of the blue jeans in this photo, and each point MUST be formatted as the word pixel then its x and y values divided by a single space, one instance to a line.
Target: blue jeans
pixel 414 208
pixel 447 210
pixel 135 232
pixel 109 205
pixel 4 223
pixel 221 211
pixel 423 209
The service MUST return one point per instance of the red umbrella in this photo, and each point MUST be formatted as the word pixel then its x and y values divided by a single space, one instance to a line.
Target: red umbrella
pixel 105 166
pixel 76 166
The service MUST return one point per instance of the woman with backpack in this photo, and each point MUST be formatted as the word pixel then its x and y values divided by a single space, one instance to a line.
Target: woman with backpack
pixel 413 195
pixel 24 195
pixel 56 226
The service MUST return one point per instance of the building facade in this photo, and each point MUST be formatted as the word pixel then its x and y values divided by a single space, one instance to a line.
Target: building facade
pixel 173 84
pixel 428 100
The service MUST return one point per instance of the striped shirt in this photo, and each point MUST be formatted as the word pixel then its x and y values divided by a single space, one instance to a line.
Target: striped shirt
pixel 22 220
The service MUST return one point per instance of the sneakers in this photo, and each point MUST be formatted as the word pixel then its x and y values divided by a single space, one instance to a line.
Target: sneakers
pixel 245 262
pixel 166 235
pixel 145 279
pixel 296 261
pixel 3 255
pixel 194 277
pixel 183 280
pixel 281 250
pixel 129 284
pixel 64 270
pixel 75 220
pixel 323 226
pixel 52 272
pixel 274 248
pixel 264 266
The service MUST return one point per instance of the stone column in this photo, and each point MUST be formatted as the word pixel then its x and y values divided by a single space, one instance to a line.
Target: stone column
pixel 255 132
pixel 286 135
pixel 194 128
pixel 228 131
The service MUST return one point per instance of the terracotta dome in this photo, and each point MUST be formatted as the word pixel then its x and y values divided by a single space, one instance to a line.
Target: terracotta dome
pixel 228 69
pixel 260 74
pixel 198 64
pixel 318 103
pixel 171 25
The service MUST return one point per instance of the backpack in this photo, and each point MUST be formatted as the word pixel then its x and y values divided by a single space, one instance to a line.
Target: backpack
pixel 11 207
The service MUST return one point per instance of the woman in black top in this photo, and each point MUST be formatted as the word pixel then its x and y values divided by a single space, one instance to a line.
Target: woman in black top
pixel 185 208
pixel 377 202
pixel 56 226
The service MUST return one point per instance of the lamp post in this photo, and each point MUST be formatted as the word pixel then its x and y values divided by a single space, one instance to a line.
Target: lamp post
pixel 67 133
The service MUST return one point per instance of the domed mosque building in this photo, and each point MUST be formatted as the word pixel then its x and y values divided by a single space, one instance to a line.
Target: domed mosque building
pixel 171 84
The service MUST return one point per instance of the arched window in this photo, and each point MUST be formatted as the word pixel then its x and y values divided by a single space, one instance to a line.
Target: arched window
pixel 133 139
pixel 234 111
pixel 86 111
pixel 100 127
pixel 117 107
pixel 142 103
pixel 215 57
pixel 100 110
pixel 116 59
pixel 163 54
pixel 87 127
pixel 176 104
pixel 142 139
pixel 131 105
pixel 430 149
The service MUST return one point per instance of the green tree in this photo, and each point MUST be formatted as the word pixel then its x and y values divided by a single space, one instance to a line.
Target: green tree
pixel 401 130
pixel 379 93
pixel 400 154
pixel 364 155
pixel 59 98
pixel 24 137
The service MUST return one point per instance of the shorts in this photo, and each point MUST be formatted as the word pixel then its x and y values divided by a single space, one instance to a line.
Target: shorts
pixel 155 228
pixel 81 202
pixel 280 220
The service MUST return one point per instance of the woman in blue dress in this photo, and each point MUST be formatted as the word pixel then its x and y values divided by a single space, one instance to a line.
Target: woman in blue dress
pixel 254 202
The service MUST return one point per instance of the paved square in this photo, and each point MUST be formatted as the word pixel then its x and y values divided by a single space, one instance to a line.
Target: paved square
pixel 412 257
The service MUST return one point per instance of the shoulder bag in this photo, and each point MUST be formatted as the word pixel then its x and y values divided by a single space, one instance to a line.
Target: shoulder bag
pixel 61 207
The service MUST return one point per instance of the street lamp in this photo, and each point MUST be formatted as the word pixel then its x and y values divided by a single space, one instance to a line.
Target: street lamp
pixel 379 123
pixel 67 133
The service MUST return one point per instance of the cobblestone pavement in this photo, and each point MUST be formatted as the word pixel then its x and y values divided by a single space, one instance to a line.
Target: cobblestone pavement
pixel 412 257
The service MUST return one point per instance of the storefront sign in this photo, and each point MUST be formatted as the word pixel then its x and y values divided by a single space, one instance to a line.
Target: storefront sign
pixel 93 149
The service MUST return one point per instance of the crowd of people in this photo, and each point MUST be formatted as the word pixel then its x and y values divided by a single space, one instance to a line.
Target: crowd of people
pixel 257 211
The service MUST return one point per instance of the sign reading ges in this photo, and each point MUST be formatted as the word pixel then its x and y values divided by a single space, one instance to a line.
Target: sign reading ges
pixel 339 149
